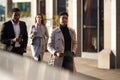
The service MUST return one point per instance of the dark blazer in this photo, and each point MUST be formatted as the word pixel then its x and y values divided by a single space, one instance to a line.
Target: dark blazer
pixel 7 34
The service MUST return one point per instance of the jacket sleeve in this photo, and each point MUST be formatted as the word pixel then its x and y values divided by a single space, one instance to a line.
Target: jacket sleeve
pixel 25 36
pixel 50 44
pixel 3 36
pixel 74 41
pixel 46 32
pixel 31 36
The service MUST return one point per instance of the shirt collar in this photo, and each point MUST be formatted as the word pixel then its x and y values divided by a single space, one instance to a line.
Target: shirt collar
pixel 14 23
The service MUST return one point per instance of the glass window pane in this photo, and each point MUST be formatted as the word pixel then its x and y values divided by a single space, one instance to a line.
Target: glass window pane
pixel 93 25
pixel 25 8
pixel 2 10
pixel 90 25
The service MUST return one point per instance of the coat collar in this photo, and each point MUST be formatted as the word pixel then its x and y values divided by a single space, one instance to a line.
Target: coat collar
pixel 59 30
pixel 36 25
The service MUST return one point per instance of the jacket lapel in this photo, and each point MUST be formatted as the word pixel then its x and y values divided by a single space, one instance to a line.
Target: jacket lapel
pixel 20 25
pixel 12 29
pixel 61 35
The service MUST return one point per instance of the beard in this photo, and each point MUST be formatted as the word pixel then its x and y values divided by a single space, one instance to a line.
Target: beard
pixel 16 20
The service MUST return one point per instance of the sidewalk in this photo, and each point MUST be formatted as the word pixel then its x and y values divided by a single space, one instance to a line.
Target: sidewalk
pixel 87 67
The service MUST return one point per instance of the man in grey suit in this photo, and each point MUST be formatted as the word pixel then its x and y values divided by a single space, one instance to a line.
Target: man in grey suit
pixel 62 44
pixel 14 34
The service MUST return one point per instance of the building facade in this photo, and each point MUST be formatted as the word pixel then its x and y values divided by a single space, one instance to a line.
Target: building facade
pixel 96 23
pixel 97 27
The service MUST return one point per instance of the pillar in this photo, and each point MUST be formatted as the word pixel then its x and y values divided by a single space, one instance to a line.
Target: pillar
pixel 117 33
pixel 49 15
pixel 112 30
pixel 74 11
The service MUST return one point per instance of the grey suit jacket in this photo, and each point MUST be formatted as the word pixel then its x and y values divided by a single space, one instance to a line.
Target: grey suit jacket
pixel 56 41
pixel 56 44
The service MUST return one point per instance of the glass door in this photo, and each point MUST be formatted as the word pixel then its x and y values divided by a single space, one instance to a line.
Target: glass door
pixel 92 29
pixel 42 6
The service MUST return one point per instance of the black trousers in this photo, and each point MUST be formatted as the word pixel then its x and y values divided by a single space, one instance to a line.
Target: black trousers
pixel 39 58
pixel 17 50
pixel 68 61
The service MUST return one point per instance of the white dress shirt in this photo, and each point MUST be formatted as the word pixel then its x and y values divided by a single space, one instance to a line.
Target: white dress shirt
pixel 17 32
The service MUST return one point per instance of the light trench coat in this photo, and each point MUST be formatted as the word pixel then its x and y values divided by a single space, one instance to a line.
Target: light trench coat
pixel 38 41
pixel 56 44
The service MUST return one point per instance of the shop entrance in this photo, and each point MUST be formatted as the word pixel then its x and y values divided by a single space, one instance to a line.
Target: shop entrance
pixel 92 26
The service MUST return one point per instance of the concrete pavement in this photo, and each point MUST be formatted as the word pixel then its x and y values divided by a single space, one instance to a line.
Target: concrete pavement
pixel 87 67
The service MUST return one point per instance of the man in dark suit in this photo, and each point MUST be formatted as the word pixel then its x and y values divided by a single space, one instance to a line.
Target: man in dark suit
pixel 14 34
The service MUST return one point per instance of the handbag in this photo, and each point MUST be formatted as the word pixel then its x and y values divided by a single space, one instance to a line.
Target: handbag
pixel 55 61
pixel 51 60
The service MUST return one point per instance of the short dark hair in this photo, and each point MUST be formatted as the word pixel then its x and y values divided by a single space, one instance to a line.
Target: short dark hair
pixel 15 10
pixel 63 13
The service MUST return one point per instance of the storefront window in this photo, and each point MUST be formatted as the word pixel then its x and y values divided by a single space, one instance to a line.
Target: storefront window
pixel 25 8
pixel 42 6
pixel 2 10
pixel 61 6
pixel 91 26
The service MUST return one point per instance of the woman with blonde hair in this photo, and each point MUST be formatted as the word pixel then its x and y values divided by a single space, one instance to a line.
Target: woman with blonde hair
pixel 38 35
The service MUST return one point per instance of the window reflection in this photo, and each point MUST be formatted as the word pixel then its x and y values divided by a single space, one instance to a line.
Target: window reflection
pixel 90 26
pixel 2 10
pixel 61 6
pixel 25 8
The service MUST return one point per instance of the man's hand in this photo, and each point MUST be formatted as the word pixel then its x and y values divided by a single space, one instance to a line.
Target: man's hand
pixel 17 39
pixel 59 54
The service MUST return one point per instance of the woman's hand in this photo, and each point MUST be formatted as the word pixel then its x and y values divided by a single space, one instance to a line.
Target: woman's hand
pixel 34 31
